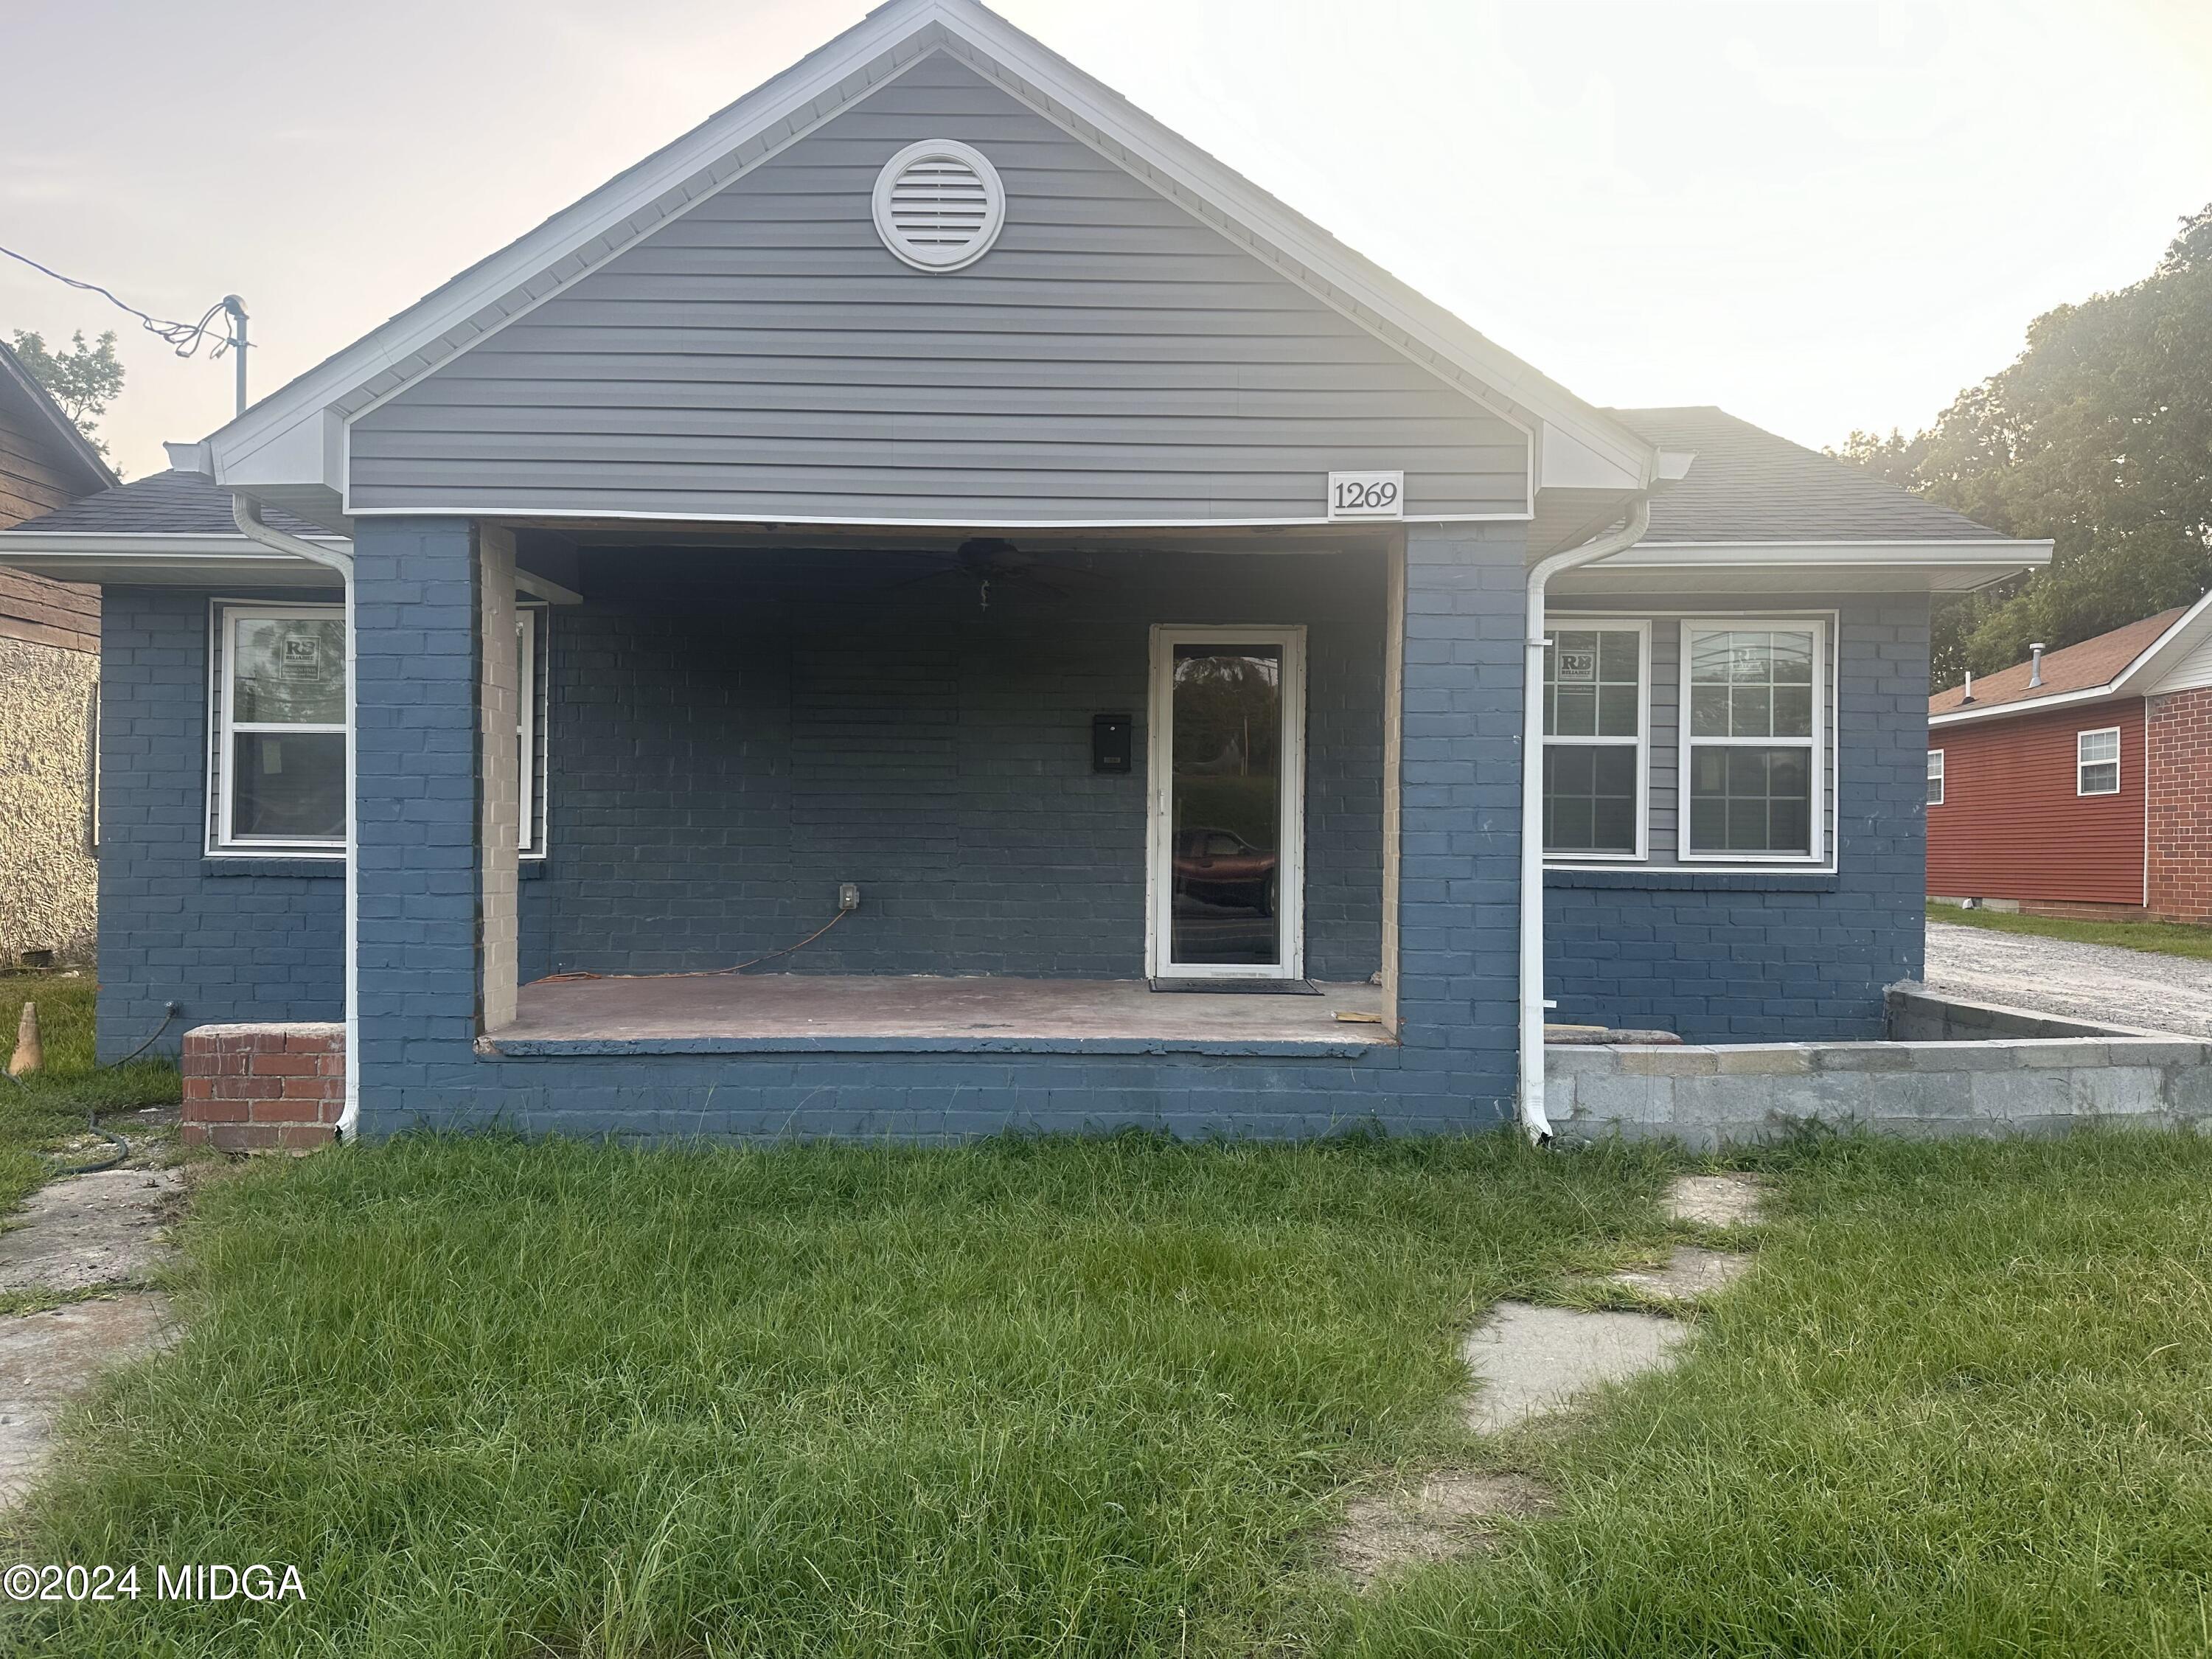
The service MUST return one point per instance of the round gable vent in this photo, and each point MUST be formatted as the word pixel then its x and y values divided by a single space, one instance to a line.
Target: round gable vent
pixel 940 205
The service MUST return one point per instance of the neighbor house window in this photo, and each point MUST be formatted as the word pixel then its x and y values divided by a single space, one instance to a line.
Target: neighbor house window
pixel 277 763
pixel 1752 692
pixel 1934 777
pixel 1594 730
pixel 2097 762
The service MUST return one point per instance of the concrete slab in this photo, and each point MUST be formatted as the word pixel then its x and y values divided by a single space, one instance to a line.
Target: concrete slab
pixel 47 1358
pixel 1714 1201
pixel 89 1231
pixel 885 1010
pixel 1529 1361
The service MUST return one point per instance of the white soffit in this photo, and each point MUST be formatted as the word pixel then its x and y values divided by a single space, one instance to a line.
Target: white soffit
pixel 295 437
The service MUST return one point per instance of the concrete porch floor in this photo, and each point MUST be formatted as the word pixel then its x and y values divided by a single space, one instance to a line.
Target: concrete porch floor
pixel 784 1013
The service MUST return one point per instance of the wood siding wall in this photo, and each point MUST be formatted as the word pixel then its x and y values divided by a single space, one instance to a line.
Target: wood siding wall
pixel 2011 825
pixel 31 608
pixel 1111 358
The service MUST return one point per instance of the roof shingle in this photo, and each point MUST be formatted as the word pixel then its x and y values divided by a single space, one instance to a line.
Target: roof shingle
pixel 159 504
pixel 1749 485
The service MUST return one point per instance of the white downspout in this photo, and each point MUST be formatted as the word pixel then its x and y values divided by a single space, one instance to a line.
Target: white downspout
pixel 247 513
pixel 1533 1119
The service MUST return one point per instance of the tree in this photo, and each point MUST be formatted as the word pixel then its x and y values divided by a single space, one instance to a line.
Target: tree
pixel 83 381
pixel 2099 436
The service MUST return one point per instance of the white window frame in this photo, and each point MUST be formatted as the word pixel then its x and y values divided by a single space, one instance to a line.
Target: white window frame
pixel 528 722
pixel 225 615
pixel 2081 763
pixel 1290 639
pixel 1821 628
pixel 1641 627
pixel 1934 777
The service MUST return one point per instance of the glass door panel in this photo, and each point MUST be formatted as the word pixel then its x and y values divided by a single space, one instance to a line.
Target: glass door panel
pixel 1226 806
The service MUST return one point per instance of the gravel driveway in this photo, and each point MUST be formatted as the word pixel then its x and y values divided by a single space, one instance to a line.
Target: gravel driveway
pixel 2057 976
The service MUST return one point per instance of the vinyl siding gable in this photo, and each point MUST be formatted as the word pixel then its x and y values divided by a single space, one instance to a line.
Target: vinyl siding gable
pixel 1111 360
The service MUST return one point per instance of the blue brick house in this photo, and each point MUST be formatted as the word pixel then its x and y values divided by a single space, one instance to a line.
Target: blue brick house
pixel 930 604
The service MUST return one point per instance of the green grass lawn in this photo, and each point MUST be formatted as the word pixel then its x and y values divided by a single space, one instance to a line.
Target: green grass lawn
pixel 2171 939
pixel 1104 1397
pixel 47 1108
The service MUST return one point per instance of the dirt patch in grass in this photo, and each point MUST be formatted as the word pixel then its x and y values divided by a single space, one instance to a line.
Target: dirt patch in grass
pixel 1714 1201
pixel 1687 1274
pixel 1453 1513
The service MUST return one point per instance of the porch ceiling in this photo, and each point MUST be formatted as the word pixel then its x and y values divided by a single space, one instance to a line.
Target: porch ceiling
pixel 905 1013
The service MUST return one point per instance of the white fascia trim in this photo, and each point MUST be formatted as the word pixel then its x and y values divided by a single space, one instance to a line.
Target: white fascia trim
pixel 94 543
pixel 546 260
pixel 515 514
pixel 2087 695
pixel 1996 552
pixel 2157 648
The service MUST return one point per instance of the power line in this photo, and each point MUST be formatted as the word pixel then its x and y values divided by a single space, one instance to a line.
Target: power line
pixel 186 338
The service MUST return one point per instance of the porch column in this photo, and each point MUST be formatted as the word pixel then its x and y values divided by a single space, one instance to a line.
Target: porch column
pixel 1459 826
pixel 418 622
pixel 499 699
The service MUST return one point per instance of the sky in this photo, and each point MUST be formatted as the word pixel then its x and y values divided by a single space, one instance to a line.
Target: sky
pixel 1821 215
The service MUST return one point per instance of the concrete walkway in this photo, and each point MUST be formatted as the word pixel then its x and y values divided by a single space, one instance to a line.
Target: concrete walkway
pixel 84 1233
pixel 2080 981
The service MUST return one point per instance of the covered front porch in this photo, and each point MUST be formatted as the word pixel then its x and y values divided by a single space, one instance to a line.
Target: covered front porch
pixel 742 738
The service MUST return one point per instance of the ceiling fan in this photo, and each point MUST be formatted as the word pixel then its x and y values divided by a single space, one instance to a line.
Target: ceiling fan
pixel 996 567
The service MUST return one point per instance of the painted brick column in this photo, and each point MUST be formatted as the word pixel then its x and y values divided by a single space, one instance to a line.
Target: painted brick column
pixel 1460 827
pixel 416 619
pixel 2178 726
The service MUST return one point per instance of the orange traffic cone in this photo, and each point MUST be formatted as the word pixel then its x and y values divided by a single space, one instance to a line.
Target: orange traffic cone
pixel 30 1054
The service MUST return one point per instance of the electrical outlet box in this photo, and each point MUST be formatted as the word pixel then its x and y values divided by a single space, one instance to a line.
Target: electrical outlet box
pixel 849 896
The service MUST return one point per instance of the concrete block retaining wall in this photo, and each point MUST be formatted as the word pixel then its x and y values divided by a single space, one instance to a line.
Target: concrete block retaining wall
pixel 1709 1095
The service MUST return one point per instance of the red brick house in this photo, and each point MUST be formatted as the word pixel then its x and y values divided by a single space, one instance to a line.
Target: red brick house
pixel 2080 782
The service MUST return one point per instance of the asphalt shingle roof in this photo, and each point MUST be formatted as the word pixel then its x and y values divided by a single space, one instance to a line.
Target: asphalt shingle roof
pixel 159 504
pixel 2079 667
pixel 1748 485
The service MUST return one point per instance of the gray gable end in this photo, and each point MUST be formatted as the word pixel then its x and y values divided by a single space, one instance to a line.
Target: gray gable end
pixel 764 357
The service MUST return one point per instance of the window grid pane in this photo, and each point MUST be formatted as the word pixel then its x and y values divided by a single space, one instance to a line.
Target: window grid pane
pixel 1590 798
pixel 1593 682
pixel 287 671
pixel 1934 777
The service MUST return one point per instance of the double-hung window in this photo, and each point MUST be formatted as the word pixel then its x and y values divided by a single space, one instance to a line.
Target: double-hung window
pixel 1596 720
pixel 1752 759
pixel 278 754
pixel 1934 777
pixel 2097 762
pixel 276 758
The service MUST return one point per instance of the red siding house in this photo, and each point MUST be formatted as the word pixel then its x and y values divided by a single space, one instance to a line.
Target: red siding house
pixel 2080 782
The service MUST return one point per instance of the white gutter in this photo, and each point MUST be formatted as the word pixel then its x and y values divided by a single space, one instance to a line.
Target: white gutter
pixel 1533 1120
pixel 247 513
